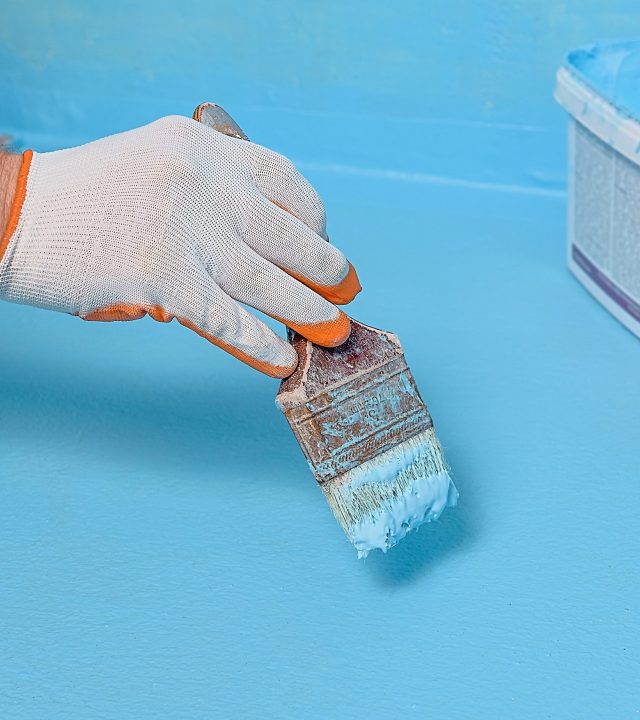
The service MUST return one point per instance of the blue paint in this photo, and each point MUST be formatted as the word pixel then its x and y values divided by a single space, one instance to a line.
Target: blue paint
pixel 445 90
pixel 424 503
pixel 422 489
pixel 156 561
pixel 613 70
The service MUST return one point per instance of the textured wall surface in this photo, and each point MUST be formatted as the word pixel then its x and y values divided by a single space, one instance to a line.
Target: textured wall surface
pixel 163 549
pixel 450 88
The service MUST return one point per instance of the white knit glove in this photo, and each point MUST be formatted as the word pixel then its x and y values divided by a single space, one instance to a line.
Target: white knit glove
pixel 177 220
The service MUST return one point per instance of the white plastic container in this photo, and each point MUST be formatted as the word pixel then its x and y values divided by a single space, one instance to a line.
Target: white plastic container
pixel 600 88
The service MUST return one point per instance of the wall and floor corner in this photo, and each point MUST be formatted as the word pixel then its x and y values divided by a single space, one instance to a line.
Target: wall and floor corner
pixel 446 89
pixel 163 548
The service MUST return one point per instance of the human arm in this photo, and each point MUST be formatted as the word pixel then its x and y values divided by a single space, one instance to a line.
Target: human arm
pixel 9 169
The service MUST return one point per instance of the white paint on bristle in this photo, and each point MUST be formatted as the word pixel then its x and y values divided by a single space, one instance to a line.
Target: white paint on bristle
pixel 381 500
pixel 422 502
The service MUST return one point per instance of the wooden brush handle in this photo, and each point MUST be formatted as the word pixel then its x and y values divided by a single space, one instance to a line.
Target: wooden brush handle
pixel 215 117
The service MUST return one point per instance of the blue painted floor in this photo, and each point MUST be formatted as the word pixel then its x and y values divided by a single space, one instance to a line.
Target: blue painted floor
pixel 165 553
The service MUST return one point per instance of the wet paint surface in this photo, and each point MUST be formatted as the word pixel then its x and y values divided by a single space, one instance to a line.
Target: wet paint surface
pixel 166 551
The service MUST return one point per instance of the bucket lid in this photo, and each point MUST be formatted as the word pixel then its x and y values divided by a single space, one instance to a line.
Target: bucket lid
pixel 600 86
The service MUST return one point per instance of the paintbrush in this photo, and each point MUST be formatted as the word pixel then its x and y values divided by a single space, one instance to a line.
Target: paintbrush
pixel 362 425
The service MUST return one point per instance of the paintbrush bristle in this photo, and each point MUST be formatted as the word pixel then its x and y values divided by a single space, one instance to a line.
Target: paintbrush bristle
pixel 381 500
pixel 368 436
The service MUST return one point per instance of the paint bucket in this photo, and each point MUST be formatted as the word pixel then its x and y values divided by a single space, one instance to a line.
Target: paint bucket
pixel 599 86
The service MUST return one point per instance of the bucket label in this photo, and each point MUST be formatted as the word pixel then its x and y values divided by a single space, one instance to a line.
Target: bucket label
pixel 604 224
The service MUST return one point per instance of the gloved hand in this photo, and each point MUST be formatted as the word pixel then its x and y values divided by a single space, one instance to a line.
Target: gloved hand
pixel 177 220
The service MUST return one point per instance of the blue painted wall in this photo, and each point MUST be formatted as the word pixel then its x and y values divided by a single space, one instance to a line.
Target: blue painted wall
pixel 448 87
